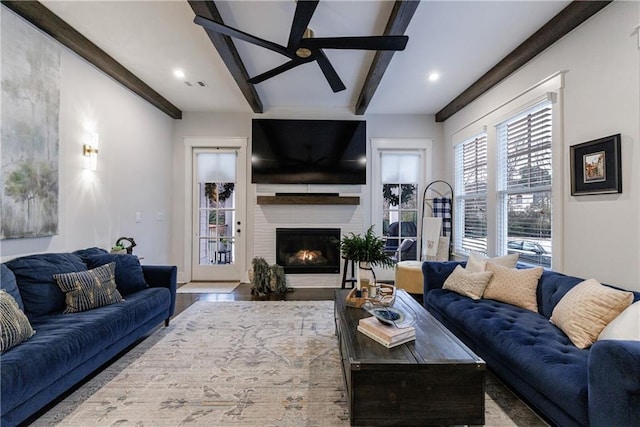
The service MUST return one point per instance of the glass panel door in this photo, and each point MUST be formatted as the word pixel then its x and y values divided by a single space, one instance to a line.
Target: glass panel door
pixel 400 178
pixel 217 224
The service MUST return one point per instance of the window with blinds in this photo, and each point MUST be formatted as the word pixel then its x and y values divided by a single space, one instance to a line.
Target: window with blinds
pixel 471 195
pixel 524 185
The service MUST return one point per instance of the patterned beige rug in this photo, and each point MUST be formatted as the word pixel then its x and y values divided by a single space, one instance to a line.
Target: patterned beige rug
pixel 236 364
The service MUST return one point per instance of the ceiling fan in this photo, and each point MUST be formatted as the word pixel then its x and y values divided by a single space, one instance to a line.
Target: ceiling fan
pixel 302 47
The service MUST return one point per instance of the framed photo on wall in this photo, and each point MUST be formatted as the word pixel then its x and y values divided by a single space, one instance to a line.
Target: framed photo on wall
pixel 596 167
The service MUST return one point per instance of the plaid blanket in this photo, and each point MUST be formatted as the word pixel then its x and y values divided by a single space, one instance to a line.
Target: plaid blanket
pixel 442 208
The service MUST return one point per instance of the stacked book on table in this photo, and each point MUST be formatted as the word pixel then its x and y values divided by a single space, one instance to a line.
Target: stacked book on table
pixel 389 336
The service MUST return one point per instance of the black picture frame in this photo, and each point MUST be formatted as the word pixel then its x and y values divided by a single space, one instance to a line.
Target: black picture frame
pixel 596 167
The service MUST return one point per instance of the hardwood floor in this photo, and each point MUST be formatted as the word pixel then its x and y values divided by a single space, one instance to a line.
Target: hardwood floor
pixel 243 293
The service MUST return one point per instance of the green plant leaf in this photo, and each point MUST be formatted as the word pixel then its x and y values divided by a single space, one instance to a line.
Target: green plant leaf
pixel 368 248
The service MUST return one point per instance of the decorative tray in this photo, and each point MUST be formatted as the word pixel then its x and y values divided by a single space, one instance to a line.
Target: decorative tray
pixel 385 297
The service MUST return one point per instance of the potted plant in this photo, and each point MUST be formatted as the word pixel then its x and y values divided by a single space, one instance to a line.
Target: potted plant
pixel 367 250
pixel 118 249
pixel 266 279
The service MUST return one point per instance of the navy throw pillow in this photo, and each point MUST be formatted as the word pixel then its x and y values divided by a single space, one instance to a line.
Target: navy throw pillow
pixel 34 274
pixel 129 275
pixel 9 284
pixel 85 253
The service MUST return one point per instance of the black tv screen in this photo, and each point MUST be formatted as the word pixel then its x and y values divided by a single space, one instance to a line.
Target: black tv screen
pixel 308 151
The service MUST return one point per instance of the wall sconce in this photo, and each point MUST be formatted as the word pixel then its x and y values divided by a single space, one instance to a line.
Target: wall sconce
pixel 90 152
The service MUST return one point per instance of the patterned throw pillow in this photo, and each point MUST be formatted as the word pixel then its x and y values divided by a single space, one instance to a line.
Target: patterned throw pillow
pixel 477 261
pixel 85 290
pixel 514 286
pixel 14 325
pixel 466 283
pixel 586 309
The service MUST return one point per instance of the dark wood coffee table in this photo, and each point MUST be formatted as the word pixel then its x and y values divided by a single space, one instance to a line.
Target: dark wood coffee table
pixel 434 380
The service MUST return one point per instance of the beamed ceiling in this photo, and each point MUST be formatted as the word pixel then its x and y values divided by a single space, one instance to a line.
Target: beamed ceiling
pixel 473 45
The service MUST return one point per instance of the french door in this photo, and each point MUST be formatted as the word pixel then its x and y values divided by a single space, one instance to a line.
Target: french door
pixel 218 213
pixel 400 169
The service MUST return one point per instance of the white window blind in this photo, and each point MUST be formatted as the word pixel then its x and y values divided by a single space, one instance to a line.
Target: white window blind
pixel 399 167
pixel 524 185
pixel 471 195
pixel 216 167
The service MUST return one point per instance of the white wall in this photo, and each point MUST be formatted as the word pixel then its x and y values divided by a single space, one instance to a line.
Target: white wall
pixel 133 175
pixel 239 125
pixel 600 235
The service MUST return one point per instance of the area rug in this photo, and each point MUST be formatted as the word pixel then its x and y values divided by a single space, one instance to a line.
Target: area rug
pixel 237 364
pixel 208 288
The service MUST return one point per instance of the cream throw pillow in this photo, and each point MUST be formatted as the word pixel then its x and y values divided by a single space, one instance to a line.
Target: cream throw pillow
pixel 477 261
pixel 513 286
pixel 624 327
pixel 586 309
pixel 468 284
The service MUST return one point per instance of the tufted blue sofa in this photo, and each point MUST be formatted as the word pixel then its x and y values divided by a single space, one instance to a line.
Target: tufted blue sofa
pixel 68 347
pixel 598 386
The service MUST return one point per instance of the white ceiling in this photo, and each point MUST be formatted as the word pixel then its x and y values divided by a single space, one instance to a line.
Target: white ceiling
pixel 461 40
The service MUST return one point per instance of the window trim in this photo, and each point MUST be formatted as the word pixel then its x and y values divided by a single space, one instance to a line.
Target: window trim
pixel 502 190
pixel 506 105
pixel 397 144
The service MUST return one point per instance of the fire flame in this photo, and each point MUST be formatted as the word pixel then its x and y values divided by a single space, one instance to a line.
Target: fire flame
pixel 306 256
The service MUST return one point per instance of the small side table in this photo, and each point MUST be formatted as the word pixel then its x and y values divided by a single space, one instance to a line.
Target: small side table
pixel 224 257
pixel 352 279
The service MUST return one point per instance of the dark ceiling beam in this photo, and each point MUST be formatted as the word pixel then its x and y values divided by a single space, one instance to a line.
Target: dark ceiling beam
pixel 399 19
pixel 560 25
pixel 50 23
pixel 227 50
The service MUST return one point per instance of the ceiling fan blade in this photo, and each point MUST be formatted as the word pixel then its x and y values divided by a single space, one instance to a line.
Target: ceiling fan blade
pixel 278 70
pixel 302 16
pixel 329 72
pixel 365 43
pixel 241 35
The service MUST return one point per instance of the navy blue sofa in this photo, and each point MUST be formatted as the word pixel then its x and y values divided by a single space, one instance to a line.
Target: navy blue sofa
pixel 66 348
pixel 597 386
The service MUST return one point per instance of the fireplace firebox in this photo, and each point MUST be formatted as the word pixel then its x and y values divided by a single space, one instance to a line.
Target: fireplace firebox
pixel 308 250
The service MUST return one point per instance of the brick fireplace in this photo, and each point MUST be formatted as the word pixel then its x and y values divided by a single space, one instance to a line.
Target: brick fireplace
pixel 269 217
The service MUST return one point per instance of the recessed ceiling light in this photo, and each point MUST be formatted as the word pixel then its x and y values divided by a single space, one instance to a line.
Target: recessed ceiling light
pixel 432 77
pixel 179 74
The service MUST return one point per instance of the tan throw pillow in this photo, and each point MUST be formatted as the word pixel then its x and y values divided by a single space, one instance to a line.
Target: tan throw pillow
pixel 468 284
pixel 513 286
pixel 586 309
pixel 477 261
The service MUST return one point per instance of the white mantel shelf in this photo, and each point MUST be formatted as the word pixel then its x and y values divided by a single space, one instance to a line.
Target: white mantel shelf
pixel 308 200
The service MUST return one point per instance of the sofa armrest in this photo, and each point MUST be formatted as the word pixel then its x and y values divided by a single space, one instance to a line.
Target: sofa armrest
pixel 435 273
pixel 614 383
pixel 163 276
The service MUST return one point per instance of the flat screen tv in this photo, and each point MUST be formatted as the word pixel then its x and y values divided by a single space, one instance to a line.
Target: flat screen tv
pixel 308 151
